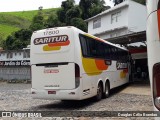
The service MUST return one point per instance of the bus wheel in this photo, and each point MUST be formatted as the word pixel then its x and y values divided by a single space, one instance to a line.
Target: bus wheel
pixel 99 92
pixel 107 90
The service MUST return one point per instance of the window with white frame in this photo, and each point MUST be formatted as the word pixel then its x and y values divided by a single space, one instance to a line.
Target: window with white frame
pixel 24 55
pixel 9 55
pixel 97 23
pixel 115 17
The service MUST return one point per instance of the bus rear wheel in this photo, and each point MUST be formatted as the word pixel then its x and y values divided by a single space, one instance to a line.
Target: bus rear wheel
pixel 107 90
pixel 99 92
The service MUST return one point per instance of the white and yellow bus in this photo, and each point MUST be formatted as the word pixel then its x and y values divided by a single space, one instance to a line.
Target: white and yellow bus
pixel 69 64
pixel 153 46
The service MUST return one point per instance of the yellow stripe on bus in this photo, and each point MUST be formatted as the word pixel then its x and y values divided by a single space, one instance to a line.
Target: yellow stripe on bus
pixel 47 48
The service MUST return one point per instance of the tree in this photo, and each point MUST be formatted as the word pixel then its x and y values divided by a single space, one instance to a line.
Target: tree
pixel 23 34
pixel 69 14
pixel 38 22
pixel 1 39
pixel 91 7
pixel 61 15
pixel 66 5
pixel 79 23
pixel 74 12
pixel 40 7
pixel 7 45
pixel 53 21
pixel 22 39
pixel 18 40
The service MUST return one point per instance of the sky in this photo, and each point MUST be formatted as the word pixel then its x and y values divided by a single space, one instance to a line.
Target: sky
pixel 25 5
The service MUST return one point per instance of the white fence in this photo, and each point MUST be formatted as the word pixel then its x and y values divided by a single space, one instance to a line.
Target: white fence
pixel 15 73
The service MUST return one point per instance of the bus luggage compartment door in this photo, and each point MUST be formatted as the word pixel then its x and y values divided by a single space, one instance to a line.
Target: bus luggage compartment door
pixel 53 76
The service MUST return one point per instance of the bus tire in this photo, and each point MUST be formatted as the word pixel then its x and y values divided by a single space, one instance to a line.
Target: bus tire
pixel 99 92
pixel 107 90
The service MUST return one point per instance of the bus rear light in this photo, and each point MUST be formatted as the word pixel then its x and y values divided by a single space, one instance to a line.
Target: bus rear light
pixel 51 92
pixel 156 85
pixel 77 76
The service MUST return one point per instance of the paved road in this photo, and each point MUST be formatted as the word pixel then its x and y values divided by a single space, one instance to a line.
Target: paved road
pixel 133 97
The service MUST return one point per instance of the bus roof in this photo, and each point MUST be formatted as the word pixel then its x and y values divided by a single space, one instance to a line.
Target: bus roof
pixel 108 42
pixel 80 31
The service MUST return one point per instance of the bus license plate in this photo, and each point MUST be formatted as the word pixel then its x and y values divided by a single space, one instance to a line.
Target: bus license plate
pixel 51 92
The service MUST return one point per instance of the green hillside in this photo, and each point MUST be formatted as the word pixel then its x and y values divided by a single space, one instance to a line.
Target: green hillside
pixel 13 21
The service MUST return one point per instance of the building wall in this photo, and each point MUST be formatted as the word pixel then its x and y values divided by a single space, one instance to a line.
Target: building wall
pixel 15 55
pixel 132 19
pixel 15 65
pixel 15 73
pixel 114 33
pixel 137 17
pixel 106 24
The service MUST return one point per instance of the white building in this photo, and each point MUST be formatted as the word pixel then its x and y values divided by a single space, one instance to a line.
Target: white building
pixel 125 18
pixel 14 55
pixel 128 20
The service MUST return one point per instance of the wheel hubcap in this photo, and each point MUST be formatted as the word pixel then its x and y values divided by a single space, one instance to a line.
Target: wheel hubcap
pixel 107 89
pixel 99 91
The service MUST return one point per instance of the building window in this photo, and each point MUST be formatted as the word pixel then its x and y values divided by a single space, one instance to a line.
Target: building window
pixel 97 23
pixel 24 55
pixel 9 55
pixel 28 54
pixel 115 17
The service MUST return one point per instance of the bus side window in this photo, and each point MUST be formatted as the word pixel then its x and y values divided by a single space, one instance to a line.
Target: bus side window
pixel 87 46
pixel 100 50
pixel 124 56
pixel 111 53
pixel 120 53
pixel 107 52
pixel 116 53
pixel 113 56
pixel 83 45
pixel 91 47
